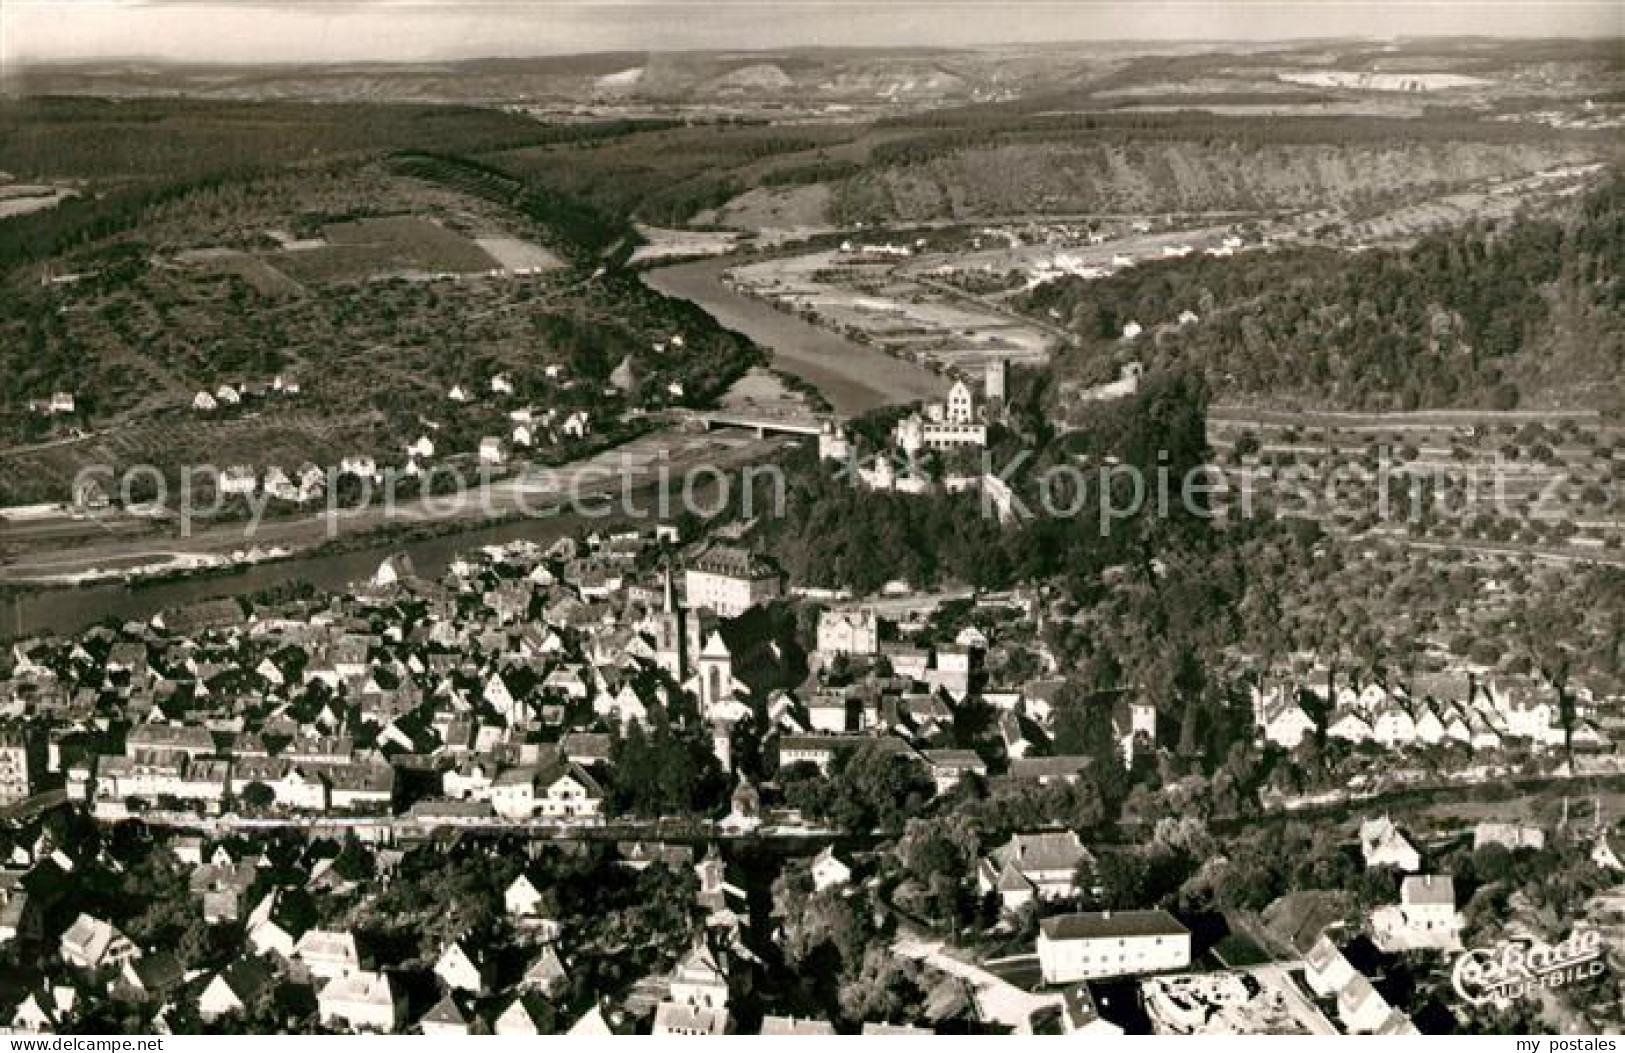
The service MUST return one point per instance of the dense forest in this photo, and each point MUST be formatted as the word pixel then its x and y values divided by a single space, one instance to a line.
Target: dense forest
pixel 951 131
pixel 1168 603
pixel 145 154
pixel 837 534
pixel 1495 316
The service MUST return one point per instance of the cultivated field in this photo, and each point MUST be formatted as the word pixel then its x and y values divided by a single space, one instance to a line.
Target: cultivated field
pixel 250 309
pixel 384 247
pixel 1539 482
pixel 874 303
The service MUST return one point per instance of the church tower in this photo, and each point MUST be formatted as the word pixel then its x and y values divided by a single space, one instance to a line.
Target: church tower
pixel 716 673
pixel 671 632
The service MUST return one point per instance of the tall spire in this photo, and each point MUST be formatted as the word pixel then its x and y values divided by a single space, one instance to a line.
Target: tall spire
pixel 671 591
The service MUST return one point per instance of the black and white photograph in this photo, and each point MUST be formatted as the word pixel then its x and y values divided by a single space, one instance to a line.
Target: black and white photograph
pixel 885 518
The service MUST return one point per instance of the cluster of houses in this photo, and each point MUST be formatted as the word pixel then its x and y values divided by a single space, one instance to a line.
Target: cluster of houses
pixel 1339 960
pixel 233 396
pixel 359 986
pixel 492 696
pixel 1361 1008
pixel 1425 918
pixel 529 427
pixel 306 484
pixel 60 404
pixel 272 905
pixel 1084 956
pixel 1470 713
pixel 499 685
pixel 505 678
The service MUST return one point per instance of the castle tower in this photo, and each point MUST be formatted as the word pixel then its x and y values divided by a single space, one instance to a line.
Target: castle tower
pixel 722 742
pixel 961 408
pixel 998 371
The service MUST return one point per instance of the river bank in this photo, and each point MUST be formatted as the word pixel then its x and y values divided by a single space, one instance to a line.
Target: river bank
pixel 853 378
pixel 631 499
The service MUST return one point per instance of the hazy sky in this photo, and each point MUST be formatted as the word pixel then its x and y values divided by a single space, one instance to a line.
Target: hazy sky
pixel 339 30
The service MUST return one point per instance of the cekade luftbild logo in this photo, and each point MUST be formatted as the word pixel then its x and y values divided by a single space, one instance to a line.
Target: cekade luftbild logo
pixel 1514 968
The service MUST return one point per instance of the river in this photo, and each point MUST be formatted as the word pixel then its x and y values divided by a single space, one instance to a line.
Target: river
pixel 69 610
pixel 853 378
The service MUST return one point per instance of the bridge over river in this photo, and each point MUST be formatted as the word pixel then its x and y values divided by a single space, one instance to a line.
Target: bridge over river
pixel 852 378
pixel 762 423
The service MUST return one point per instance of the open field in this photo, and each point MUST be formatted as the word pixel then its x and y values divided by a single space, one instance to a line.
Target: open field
pixel 255 271
pixel 383 247
pixel 518 257
pixel 875 304
pixel 1402 82
pixel 19 199
pixel 660 243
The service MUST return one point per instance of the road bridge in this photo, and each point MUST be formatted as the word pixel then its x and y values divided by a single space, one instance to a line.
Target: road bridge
pixel 763 423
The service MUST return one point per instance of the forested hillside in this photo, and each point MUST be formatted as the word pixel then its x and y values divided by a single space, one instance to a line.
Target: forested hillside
pixel 1234 169
pixel 839 535
pixel 1521 313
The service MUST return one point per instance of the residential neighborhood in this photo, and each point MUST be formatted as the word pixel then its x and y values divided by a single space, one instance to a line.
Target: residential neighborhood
pixel 616 715
pixel 817 518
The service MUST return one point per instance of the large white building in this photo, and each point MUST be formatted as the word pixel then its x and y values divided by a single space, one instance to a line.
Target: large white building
pixel 1087 946
pixel 945 425
pixel 730 581
pixel 1424 919
pixel 915 433
pixel 848 632
pixel 560 791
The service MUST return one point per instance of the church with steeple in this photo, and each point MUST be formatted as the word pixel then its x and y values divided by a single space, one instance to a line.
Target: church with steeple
pixel 675 632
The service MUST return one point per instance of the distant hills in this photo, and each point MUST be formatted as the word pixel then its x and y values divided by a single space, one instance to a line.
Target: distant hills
pixel 812 76
pixel 667 78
